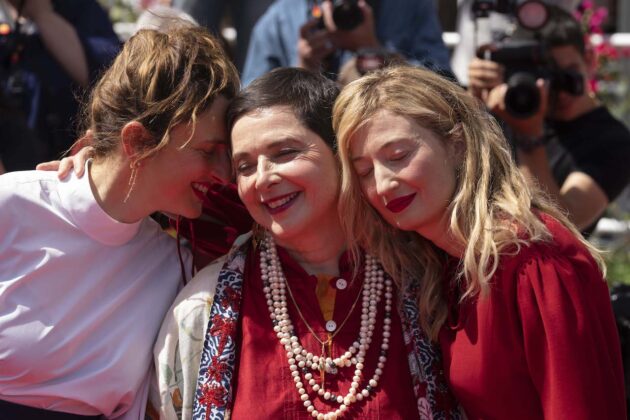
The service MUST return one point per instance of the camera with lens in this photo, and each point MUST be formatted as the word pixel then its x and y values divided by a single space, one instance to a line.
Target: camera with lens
pixel 346 15
pixel 526 60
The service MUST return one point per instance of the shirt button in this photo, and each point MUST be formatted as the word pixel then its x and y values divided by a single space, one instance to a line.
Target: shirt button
pixel 341 284
pixel 331 326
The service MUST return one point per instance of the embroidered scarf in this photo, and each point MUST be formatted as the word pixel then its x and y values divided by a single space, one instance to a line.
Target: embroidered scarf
pixel 213 395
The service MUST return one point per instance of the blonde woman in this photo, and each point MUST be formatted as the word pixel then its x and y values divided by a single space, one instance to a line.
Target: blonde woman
pixel 508 287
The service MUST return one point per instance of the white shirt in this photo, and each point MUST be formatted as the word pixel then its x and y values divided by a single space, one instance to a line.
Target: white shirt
pixel 82 297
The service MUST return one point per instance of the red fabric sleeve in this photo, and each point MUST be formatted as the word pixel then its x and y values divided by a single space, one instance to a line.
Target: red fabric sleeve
pixel 570 339
pixel 224 218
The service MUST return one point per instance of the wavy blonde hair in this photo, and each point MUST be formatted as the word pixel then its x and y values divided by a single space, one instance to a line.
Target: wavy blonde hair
pixel 491 208
pixel 159 79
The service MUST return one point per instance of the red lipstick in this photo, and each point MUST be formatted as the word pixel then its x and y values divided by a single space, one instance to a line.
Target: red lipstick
pixel 290 198
pixel 399 204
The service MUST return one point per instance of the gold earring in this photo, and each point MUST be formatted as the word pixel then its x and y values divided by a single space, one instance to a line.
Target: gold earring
pixel 132 179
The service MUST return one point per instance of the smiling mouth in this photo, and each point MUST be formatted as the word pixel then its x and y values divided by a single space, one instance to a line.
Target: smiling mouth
pixel 200 189
pixel 280 204
pixel 399 204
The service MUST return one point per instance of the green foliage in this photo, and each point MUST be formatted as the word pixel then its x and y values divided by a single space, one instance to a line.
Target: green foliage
pixel 119 10
pixel 618 263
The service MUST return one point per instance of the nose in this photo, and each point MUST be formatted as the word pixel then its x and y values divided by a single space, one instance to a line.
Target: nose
pixel 384 179
pixel 266 176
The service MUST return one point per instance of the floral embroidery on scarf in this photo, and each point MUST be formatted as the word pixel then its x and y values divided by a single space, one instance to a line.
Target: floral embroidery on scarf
pixel 218 358
pixel 217 367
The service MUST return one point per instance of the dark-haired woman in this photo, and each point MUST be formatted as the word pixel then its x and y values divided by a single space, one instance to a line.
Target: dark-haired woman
pixel 285 325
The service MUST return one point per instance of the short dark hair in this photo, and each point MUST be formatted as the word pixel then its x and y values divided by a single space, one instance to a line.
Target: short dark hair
pixel 562 30
pixel 309 95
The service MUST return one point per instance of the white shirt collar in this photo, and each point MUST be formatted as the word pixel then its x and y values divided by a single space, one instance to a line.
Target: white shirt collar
pixel 78 199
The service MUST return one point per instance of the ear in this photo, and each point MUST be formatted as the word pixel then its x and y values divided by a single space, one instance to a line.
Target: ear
pixel 134 137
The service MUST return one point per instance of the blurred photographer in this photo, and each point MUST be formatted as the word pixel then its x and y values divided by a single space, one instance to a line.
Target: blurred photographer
pixel 50 51
pixel 324 35
pixel 565 139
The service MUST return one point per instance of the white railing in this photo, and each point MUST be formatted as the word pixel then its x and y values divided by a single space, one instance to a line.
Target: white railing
pixel 619 40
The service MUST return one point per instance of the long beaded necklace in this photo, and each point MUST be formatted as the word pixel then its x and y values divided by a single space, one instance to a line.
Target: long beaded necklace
pixel 301 361
pixel 332 367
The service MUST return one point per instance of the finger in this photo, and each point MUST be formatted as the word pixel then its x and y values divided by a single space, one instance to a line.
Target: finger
pixel 327 14
pixel 366 9
pixel 485 74
pixel 487 71
pixel 495 100
pixel 48 166
pixel 543 88
pixel 80 158
pixel 484 81
pixel 322 46
pixel 79 169
pixel 318 38
pixel 483 94
pixel 65 166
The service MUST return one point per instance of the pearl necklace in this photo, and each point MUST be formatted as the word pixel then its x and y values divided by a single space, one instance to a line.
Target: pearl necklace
pixel 300 360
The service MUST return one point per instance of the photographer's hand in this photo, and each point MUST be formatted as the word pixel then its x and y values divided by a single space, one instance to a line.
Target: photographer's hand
pixel 483 76
pixel 363 36
pixel 314 46
pixel 533 126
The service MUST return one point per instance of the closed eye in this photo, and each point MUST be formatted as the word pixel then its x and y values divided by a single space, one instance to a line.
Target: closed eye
pixel 363 172
pixel 399 155
pixel 285 154
pixel 244 168
pixel 216 148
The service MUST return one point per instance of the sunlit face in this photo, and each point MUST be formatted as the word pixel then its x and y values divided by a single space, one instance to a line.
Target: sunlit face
pixel 182 172
pixel 287 176
pixel 406 173
pixel 567 107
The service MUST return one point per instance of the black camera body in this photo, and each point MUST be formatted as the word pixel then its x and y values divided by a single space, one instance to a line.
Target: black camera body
pixel 525 61
pixel 346 15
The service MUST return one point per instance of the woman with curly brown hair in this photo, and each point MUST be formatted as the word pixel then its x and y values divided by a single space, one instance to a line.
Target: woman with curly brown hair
pixel 85 275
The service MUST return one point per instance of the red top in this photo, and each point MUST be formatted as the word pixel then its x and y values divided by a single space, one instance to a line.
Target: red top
pixel 542 344
pixel 264 388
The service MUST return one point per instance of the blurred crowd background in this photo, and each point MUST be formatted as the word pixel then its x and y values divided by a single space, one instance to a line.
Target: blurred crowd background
pixel 45 79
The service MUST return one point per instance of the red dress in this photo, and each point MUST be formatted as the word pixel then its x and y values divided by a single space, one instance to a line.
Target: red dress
pixel 542 344
pixel 264 388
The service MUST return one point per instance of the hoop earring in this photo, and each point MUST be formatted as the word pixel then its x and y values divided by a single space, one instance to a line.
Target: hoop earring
pixel 132 179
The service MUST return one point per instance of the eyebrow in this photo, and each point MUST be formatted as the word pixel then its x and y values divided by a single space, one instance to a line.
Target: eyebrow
pixel 269 146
